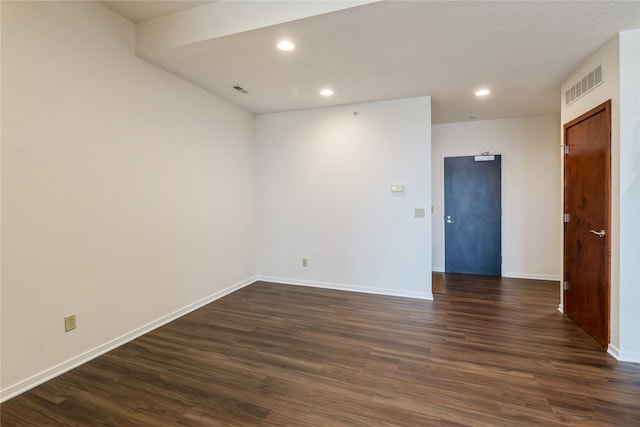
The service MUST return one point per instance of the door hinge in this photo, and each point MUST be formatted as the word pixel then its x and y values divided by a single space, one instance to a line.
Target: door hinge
pixel 566 149
pixel 566 285
pixel 566 217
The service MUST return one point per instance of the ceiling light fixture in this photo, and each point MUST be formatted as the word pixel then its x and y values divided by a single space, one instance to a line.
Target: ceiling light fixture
pixel 483 92
pixel 326 92
pixel 286 45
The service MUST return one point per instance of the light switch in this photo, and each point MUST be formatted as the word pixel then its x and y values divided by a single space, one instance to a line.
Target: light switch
pixel 419 213
pixel 397 188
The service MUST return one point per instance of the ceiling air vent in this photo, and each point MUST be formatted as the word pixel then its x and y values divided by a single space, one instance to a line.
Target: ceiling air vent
pixel 240 89
pixel 584 86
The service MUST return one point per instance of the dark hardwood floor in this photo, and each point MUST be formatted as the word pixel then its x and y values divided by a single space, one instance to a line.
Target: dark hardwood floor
pixel 489 352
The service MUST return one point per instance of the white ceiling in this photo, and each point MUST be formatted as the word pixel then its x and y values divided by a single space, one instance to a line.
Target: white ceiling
pixel 394 49
pixel 144 10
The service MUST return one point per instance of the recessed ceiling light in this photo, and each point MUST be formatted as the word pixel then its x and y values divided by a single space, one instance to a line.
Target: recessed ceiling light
pixel 285 45
pixel 483 92
pixel 326 92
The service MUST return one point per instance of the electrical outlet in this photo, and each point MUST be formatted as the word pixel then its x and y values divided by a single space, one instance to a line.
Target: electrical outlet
pixel 70 323
pixel 305 262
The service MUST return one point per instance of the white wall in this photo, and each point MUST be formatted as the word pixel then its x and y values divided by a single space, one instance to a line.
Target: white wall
pixel 324 179
pixel 531 225
pixel 621 73
pixel 630 195
pixel 127 193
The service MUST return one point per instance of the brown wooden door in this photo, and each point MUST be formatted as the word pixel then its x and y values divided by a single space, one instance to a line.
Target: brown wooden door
pixel 587 175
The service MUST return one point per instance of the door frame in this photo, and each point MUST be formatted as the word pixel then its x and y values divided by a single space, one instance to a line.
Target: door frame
pixel 502 199
pixel 606 107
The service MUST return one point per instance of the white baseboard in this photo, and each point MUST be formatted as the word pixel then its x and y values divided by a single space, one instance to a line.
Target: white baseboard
pixel 342 287
pixel 613 351
pixel 514 275
pixel 531 276
pixel 623 356
pixel 22 386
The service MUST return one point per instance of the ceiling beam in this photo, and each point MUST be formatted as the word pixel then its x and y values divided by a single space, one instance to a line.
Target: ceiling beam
pixel 224 18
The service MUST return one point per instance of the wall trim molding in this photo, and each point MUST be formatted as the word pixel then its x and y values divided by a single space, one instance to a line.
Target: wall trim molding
pixel 550 277
pixel 623 356
pixel 48 374
pixel 350 288
pixel 613 351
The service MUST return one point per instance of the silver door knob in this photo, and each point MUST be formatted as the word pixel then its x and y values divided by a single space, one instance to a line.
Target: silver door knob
pixel 600 233
pixel 449 220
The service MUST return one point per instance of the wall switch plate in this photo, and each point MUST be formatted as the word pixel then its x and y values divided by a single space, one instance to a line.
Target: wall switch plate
pixel 70 323
pixel 419 213
pixel 305 262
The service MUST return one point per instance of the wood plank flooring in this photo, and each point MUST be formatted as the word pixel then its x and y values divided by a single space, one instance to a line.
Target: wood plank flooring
pixel 489 352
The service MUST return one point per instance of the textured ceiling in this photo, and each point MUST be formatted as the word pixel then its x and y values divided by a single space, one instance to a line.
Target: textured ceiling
pixel 394 49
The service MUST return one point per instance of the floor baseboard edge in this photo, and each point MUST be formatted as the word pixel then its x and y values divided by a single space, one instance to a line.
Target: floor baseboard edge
pixel 549 277
pixel 350 288
pixel 623 356
pixel 50 373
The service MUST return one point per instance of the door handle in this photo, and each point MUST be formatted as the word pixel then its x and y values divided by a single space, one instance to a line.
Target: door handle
pixel 449 220
pixel 600 233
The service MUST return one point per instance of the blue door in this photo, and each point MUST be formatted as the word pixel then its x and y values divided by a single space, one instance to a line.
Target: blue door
pixel 472 215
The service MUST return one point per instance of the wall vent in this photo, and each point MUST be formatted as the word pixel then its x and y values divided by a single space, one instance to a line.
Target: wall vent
pixel 589 82
pixel 240 89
